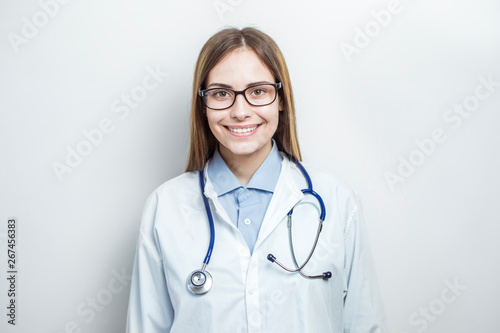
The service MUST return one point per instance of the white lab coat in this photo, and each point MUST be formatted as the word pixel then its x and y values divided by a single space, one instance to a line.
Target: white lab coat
pixel 251 294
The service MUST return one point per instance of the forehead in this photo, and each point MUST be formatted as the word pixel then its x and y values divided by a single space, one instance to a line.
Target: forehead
pixel 238 68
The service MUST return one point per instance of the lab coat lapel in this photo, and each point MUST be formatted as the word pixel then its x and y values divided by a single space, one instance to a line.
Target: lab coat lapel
pixel 286 195
pixel 210 193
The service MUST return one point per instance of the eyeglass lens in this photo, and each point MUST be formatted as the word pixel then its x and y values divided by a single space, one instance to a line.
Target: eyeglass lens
pixel 221 98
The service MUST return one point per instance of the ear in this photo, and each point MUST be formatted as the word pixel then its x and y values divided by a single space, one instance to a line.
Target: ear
pixel 280 107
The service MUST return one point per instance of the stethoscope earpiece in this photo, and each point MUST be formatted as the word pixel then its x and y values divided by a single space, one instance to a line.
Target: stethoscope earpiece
pixel 271 258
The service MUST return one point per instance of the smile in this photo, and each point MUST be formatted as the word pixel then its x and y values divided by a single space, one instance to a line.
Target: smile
pixel 242 130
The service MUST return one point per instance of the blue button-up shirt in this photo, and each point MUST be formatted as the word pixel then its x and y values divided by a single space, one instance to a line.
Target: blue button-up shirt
pixel 246 205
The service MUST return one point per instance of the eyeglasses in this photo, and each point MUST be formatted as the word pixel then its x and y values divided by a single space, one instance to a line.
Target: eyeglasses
pixel 256 95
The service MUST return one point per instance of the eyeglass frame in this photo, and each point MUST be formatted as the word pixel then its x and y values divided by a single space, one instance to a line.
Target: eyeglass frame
pixel 277 86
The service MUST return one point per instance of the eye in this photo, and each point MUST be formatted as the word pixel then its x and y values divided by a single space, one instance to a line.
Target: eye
pixel 220 94
pixel 258 92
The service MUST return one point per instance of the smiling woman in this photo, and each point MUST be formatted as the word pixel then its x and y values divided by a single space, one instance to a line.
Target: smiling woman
pixel 244 166
pixel 234 59
pixel 242 128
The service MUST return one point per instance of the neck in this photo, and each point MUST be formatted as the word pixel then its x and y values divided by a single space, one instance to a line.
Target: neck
pixel 244 166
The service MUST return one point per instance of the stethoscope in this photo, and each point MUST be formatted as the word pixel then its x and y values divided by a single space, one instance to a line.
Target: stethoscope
pixel 200 282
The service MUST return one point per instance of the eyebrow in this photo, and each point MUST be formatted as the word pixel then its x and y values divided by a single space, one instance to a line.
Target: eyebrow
pixel 224 85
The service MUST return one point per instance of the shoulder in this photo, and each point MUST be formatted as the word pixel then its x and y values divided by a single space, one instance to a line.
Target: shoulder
pixel 336 192
pixel 323 180
pixel 171 193
pixel 184 181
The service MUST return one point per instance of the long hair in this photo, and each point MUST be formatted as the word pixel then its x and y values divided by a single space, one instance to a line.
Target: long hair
pixel 202 141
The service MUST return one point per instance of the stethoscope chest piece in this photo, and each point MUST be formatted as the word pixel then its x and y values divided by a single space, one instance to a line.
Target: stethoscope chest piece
pixel 199 282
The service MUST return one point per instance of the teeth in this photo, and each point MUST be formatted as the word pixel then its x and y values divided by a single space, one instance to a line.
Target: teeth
pixel 242 130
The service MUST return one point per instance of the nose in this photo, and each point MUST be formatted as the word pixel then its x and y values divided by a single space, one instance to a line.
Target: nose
pixel 241 109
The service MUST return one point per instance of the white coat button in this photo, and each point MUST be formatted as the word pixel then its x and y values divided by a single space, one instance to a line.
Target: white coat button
pixel 247 221
pixel 251 291
pixel 243 251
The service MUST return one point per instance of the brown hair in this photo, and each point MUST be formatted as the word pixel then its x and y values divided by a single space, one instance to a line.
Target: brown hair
pixel 202 141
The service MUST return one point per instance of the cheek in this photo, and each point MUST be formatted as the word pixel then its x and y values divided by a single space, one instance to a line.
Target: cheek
pixel 213 121
pixel 273 118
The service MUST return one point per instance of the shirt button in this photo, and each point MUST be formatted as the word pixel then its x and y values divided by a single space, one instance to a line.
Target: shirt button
pixel 251 291
pixel 247 221
pixel 245 191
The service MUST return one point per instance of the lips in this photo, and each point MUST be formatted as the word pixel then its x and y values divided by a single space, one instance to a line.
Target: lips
pixel 242 129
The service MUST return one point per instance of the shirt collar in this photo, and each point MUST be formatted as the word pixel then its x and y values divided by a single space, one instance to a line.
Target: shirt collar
pixel 265 178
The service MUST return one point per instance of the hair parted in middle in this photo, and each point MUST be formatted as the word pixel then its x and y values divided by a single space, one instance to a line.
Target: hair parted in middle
pixel 202 141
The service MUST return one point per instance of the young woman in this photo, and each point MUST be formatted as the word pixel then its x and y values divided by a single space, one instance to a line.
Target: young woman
pixel 218 250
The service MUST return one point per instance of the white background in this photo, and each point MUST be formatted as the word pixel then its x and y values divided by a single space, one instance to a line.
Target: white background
pixel 358 117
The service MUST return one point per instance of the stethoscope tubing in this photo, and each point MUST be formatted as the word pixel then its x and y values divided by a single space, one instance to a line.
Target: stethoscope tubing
pixel 206 285
pixel 272 258
pixel 210 222
pixel 200 282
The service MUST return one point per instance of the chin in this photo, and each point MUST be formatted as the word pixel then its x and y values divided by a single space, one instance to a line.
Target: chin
pixel 237 151
pixel 242 149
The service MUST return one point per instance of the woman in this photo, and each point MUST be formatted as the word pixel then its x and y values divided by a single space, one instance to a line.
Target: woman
pixel 244 142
